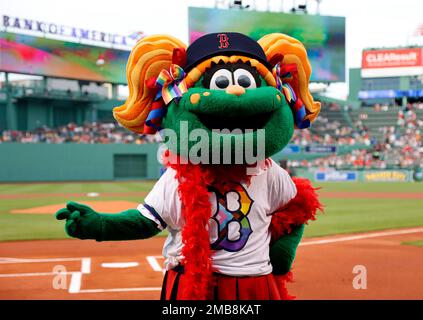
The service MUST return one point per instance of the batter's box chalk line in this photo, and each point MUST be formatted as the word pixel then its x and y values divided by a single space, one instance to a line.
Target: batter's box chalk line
pixel 76 276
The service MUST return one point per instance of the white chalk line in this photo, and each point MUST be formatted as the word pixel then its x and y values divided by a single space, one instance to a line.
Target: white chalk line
pixel 76 276
pixel 120 290
pixel 76 279
pixel 119 265
pixel 6 260
pixel 35 274
pixel 362 236
pixel 86 265
pixel 75 283
pixel 155 265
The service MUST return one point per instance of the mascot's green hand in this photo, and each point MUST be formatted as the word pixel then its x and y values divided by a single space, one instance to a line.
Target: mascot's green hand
pixel 84 223
pixel 81 221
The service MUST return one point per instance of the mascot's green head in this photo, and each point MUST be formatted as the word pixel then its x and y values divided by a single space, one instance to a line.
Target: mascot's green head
pixel 224 99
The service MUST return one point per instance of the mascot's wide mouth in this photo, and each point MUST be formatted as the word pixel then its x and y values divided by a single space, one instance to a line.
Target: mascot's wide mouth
pixel 218 110
pixel 233 122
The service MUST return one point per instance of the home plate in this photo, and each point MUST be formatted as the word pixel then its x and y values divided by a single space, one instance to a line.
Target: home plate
pixel 93 194
pixel 119 264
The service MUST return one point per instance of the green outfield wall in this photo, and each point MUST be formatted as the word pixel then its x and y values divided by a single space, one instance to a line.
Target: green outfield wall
pixel 77 162
pixel 20 162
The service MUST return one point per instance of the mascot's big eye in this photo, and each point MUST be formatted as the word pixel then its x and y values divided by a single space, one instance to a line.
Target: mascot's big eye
pixel 245 79
pixel 221 79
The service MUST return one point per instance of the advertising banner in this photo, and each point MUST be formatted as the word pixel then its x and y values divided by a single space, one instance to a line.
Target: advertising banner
pixel 291 148
pixel 336 176
pixel 392 62
pixel 386 176
pixel 376 94
pixel 418 175
pixel 392 58
pixel 321 149
pixel 43 28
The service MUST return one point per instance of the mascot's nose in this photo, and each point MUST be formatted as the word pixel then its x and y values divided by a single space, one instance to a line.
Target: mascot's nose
pixel 236 90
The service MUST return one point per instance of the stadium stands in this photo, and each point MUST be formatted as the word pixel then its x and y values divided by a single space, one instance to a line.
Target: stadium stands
pixel 88 133
pixel 394 134
pixel 381 137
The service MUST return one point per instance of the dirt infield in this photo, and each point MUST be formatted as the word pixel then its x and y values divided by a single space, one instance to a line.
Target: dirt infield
pixel 323 268
pixel 100 206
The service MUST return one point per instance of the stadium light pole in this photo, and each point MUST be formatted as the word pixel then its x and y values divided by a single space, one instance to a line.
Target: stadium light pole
pixel 293 6
pixel 318 2
pixel 11 112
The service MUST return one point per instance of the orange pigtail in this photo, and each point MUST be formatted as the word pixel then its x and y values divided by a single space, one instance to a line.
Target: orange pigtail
pixel 291 53
pixel 148 58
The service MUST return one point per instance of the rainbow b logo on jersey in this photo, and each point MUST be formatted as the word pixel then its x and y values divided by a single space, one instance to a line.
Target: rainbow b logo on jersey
pixel 227 217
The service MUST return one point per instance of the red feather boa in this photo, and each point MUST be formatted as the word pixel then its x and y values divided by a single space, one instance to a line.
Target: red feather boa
pixel 299 210
pixel 196 209
pixel 281 281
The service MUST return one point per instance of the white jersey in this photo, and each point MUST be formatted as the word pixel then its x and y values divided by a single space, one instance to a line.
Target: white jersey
pixel 239 220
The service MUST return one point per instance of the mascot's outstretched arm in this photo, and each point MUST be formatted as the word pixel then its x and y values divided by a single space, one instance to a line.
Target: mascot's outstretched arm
pixel 84 223
pixel 148 58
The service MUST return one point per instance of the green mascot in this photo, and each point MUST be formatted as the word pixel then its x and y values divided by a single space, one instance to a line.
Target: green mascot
pixel 224 105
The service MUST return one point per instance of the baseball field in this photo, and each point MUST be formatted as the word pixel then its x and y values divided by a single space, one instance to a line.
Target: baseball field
pixel 375 227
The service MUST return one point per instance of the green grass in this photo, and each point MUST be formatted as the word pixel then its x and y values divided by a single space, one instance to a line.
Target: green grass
pixel 29 227
pixel 358 215
pixel 76 187
pixel 418 243
pixel 341 215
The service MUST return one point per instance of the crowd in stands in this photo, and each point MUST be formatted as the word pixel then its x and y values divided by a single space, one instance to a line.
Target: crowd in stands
pixel 380 157
pixel 407 118
pixel 400 146
pixel 87 133
pixel 331 132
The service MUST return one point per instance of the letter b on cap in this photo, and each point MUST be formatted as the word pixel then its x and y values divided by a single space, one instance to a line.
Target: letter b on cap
pixel 223 40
